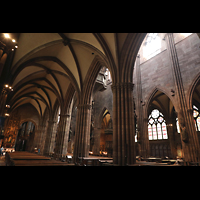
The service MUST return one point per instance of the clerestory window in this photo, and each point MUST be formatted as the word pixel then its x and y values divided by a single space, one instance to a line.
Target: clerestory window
pixel 152 45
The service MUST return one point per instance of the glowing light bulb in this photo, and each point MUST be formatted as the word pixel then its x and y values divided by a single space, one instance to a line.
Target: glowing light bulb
pixel 6 35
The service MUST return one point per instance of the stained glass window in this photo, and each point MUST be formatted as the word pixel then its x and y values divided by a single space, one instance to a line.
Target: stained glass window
pixel 164 129
pixel 157 128
pixel 154 132
pixel 150 132
pixel 198 123
pixel 159 131
pixel 196 116
pixel 160 119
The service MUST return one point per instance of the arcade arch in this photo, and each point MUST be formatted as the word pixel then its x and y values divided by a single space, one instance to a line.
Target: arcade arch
pixel 64 63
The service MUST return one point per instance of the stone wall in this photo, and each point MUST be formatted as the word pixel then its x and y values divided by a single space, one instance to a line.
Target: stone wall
pixel 156 72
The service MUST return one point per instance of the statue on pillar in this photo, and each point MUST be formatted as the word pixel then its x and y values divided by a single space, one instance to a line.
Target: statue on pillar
pixel 183 128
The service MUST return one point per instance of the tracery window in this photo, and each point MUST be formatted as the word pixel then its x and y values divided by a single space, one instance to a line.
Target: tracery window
pixel 196 116
pixel 157 128
pixel 152 45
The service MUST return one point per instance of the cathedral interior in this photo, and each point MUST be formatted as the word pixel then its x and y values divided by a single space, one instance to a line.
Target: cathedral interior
pixel 112 99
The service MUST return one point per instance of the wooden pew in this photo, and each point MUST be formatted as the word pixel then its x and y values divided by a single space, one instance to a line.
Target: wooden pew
pixel 31 159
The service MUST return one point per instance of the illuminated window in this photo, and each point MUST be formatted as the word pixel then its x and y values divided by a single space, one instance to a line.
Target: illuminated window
pixel 150 132
pixel 157 128
pixel 136 131
pixel 152 45
pixel 58 116
pixel 196 116
pixel 177 125
pixel 159 131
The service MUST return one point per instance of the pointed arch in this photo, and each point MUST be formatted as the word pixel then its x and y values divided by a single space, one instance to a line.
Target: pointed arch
pixel 101 116
pixel 68 99
pixel 90 79
pixel 151 96
pixel 192 87
pixel 30 120
pixel 128 55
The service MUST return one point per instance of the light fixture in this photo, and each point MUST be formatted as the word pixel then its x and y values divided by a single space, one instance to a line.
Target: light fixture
pixel 6 85
pixel 6 35
pixel 6 114
pixel 16 46
pixel 13 40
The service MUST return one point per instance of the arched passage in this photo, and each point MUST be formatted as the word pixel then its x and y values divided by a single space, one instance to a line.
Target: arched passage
pixel 194 103
pixel 163 135
pixel 106 136
pixel 25 137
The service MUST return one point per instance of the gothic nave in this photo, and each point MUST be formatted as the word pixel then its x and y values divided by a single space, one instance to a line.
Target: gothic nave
pixel 112 99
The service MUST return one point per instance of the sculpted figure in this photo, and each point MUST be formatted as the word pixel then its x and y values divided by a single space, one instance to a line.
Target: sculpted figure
pixel 183 128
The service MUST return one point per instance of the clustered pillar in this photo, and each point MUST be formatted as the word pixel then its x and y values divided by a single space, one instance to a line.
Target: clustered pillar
pixel 82 132
pixel 189 137
pixel 50 137
pixel 62 136
pixel 142 135
pixel 123 124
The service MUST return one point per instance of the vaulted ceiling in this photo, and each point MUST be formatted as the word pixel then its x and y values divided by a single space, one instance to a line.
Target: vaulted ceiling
pixel 46 64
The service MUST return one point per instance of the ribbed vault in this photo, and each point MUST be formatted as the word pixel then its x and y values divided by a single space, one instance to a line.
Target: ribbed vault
pixel 46 64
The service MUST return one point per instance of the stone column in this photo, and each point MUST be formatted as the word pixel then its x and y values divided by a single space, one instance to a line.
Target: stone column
pixel 41 140
pixel 82 132
pixel 97 132
pixel 143 139
pixel 123 124
pixel 3 97
pixel 2 62
pixel 171 139
pixel 37 135
pixel 62 136
pixel 50 137
pixel 188 134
